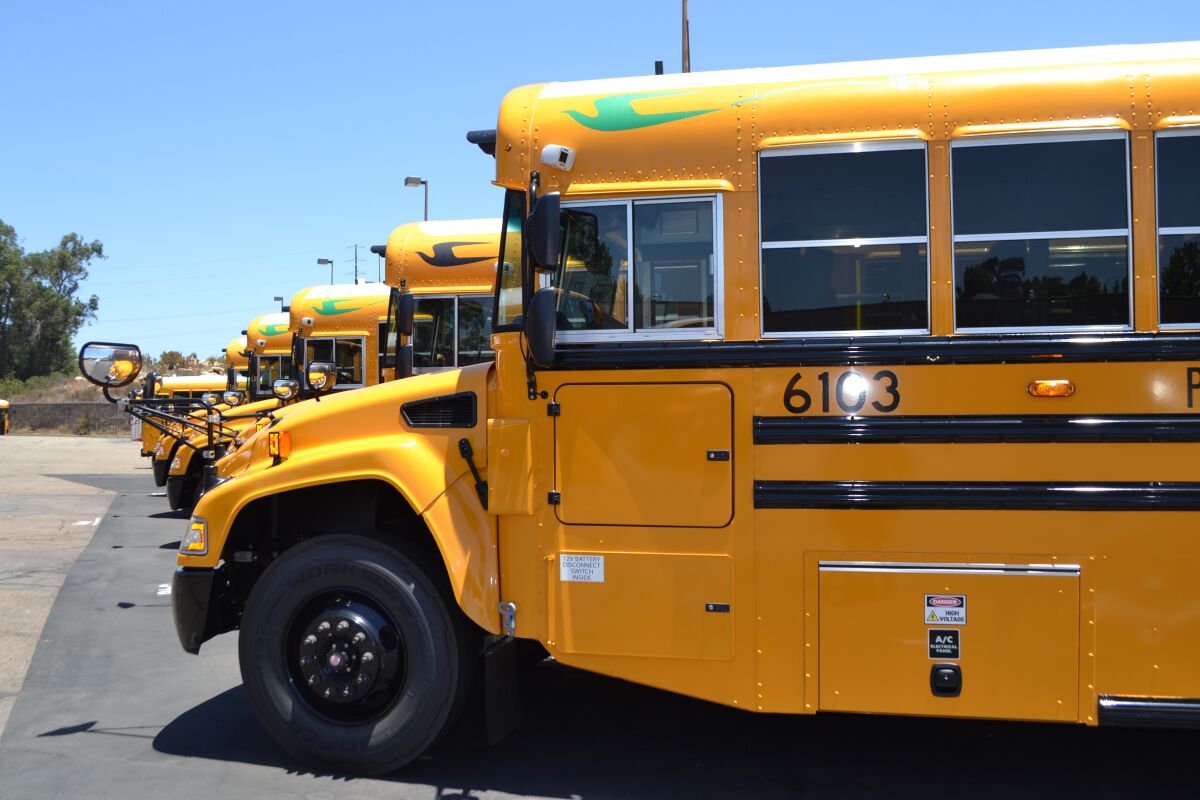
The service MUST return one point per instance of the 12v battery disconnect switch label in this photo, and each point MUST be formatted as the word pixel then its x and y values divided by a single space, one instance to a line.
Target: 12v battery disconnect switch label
pixel 945 609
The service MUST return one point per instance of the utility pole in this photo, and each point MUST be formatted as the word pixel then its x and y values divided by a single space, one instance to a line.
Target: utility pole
pixel 687 55
pixel 356 265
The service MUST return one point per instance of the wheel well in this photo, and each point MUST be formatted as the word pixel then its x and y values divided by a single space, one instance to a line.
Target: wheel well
pixel 270 525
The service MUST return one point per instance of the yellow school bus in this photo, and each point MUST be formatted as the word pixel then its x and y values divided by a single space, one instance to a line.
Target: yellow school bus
pixel 263 356
pixel 874 394
pixel 4 421
pixel 335 323
pixel 175 387
pixel 449 266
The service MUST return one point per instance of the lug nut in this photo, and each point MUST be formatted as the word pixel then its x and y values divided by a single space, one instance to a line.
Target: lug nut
pixel 328 693
pixel 347 692
pixel 368 657
pixel 310 640
pixel 313 680
pixel 360 637
pixel 362 677
pixel 305 661
pixel 323 627
pixel 343 625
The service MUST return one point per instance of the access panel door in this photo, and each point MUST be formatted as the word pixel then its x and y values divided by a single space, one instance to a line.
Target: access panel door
pixel 644 454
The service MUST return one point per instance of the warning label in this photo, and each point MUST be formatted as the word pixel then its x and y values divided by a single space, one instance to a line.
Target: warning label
pixel 945 609
pixel 943 644
pixel 582 569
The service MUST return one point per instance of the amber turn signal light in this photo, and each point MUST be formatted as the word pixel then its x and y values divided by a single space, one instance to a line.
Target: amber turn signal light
pixel 279 444
pixel 1056 388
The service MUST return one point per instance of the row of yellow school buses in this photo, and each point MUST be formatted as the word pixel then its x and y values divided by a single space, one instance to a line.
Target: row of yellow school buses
pixel 854 387
pixel 446 267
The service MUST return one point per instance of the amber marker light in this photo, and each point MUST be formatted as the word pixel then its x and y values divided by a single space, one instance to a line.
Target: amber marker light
pixel 195 542
pixel 1058 388
pixel 279 444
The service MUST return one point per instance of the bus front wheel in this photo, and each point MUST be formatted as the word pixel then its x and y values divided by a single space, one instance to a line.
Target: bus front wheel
pixel 353 659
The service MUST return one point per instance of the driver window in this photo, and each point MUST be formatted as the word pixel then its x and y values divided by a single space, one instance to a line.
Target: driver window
pixel 646 267
pixel 433 333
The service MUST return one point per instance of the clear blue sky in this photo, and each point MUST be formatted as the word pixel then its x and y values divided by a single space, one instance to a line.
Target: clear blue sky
pixel 218 149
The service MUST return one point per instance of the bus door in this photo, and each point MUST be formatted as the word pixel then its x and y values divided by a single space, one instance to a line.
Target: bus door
pixel 643 465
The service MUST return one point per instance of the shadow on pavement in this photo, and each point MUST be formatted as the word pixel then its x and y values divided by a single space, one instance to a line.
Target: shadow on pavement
pixel 588 736
pixel 110 483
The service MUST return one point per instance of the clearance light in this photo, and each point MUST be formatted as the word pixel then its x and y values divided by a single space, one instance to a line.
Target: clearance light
pixel 279 444
pixel 195 541
pixel 1057 388
pixel 176 463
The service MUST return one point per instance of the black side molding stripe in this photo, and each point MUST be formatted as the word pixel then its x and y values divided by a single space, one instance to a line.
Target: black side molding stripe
pixel 986 428
pixel 1015 496
pixel 902 350
pixel 1149 712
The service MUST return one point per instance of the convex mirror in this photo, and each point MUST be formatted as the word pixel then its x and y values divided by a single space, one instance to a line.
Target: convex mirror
pixel 285 388
pixel 110 365
pixel 321 376
pixel 233 398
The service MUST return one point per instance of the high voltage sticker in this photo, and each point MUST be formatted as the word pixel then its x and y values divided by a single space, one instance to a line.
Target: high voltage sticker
pixel 945 609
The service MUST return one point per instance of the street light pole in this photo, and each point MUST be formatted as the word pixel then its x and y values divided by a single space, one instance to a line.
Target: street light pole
pixel 329 261
pixel 413 182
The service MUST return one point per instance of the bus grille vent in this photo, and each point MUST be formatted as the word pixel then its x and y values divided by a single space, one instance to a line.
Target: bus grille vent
pixel 448 411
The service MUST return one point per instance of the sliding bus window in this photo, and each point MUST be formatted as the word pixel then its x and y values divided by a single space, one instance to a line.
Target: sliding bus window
pixel 345 353
pixel 1041 232
pixel 1177 167
pixel 844 231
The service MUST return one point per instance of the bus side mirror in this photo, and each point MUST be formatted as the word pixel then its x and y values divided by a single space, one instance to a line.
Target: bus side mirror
pixel 541 321
pixel 321 376
pixel 404 361
pixel 406 309
pixel 285 389
pixel 110 365
pixel 543 232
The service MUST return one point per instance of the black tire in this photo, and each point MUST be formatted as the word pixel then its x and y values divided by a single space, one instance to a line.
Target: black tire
pixel 161 470
pixel 422 672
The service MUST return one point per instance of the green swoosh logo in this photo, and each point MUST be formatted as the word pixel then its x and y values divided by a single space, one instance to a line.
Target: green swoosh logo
pixel 329 308
pixel 616 113
pixel 272 330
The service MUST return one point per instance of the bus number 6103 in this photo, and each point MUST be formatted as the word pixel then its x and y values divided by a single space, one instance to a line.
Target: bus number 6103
pixel 849 391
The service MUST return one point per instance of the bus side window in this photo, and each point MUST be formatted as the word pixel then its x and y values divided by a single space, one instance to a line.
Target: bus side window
pixel 845 239
pixel 1041 232
pixel 1177 165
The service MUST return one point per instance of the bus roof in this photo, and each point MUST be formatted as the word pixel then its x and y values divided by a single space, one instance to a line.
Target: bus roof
pixel 450 256
pixel 273 330
pixel 626 131
pixel 235 354
pixel 340 308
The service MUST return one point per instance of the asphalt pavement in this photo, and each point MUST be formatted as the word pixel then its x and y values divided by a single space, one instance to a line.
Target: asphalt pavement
pixel 111 707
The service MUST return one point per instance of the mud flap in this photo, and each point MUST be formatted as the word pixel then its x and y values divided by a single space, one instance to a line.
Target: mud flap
pixel 502 699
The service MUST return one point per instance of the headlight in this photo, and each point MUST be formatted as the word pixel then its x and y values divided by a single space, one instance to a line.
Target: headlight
pixel 176 463
pixel 195 541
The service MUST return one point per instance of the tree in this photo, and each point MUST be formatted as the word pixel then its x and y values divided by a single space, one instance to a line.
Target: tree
pixel 171 359
pixel 39 309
